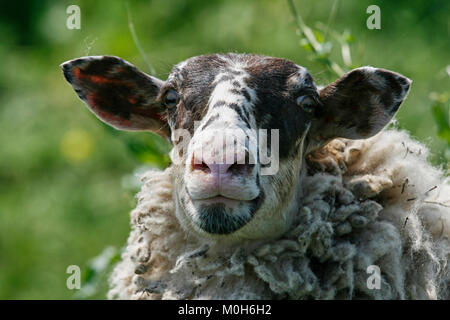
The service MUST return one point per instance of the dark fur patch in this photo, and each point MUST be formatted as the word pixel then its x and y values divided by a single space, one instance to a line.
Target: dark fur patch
pixel 275 107
pixel 217 219
pixel 240 112
pixel 236 84
pixel 245 93
pixel 360 103
pixel 220 103
pixel 210 121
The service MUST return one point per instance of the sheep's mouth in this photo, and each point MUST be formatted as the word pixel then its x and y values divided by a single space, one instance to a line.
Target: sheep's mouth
pixel 218 218
pixel 220 199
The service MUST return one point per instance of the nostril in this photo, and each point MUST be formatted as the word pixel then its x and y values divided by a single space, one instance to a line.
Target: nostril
pixel 242 164
pixel 238 168
pixel 201 167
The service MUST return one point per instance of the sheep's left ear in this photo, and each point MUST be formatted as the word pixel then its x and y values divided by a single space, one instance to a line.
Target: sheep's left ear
pixel 358 105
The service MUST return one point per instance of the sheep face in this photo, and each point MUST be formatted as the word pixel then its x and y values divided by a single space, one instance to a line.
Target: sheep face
pixel 225 103
pixel 226 115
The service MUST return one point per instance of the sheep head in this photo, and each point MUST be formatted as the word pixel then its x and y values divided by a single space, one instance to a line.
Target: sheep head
pixel 240 126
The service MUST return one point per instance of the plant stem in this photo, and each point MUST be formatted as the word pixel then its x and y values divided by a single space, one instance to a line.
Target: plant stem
pixel 136 40
pixel 311 39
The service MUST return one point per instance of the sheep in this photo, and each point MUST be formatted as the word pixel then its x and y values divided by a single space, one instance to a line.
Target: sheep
pixel 344 209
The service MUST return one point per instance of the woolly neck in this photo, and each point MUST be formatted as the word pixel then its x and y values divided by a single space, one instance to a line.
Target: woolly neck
pixel 352 216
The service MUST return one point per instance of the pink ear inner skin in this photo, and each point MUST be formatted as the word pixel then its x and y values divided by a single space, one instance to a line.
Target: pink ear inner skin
pixel 96 102
pixel 132 100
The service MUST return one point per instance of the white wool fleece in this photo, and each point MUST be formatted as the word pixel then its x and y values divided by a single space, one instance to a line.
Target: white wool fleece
pixel 365 202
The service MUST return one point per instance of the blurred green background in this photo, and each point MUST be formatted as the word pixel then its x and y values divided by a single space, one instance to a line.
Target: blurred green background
pixel 67 181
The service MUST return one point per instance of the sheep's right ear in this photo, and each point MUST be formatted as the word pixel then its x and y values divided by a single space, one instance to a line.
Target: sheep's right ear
pixel 118 93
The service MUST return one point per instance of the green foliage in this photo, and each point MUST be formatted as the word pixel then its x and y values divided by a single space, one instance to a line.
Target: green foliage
pixel 95 276
pixel 148 148
pixel 314 41
pixel 441 113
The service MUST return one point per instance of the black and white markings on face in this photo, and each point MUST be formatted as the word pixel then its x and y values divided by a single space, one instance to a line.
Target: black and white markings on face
pixel 241 91
pixel 220 95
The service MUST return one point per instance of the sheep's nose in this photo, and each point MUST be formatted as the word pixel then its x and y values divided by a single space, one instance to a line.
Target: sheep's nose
pixel 239 164
pixel 234 177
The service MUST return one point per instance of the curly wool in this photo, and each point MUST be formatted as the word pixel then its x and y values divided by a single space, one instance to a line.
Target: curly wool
pixel 365 202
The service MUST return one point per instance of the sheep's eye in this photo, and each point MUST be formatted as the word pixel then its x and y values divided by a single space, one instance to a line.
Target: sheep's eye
pixel 307 103
pixel 171 98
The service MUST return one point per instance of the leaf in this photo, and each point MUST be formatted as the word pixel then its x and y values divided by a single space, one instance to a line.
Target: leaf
pixel 145 147
pixel 441 117
pixel 306 45
pixel 96 270
pixel 348 37
pixel 319 36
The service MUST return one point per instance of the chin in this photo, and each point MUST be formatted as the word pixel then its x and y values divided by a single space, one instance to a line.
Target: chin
pixel 220 215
